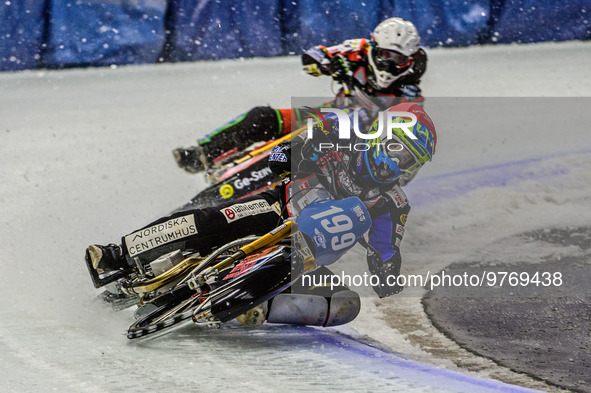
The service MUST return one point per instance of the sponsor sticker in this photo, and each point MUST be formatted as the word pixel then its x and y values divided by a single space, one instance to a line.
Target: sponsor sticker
pixel 398 196
pixel 157 235
pixel 399 229
pixel 255 176
pixel 403 218
pixel 226 191
pixel 241 210
pixel 242 268
pixel 278 229
pixel 280 148
pixel 278 157
pixel 304 186
pixel 248 263
pixel 319 238
pixel 230 214
pixel 277 208
pixel 300 244
pixel 359 213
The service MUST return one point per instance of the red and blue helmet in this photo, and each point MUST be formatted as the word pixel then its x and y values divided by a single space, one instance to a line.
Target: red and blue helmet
pixel 386 159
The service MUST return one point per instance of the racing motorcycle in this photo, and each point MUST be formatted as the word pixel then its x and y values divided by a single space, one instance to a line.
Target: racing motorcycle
pixel 248 279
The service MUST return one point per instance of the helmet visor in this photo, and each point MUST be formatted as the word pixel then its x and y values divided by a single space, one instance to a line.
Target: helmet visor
pixel 400 154
pixel 391 159
pixel 387 59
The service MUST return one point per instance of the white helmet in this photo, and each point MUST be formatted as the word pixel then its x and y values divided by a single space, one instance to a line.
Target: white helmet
pixel 395 41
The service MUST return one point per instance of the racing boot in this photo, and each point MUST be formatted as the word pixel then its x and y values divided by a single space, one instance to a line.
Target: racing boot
pixel 191 159
pixel 105 259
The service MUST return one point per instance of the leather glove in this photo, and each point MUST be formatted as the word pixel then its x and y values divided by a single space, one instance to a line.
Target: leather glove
pixel 339 69
pixel 383 270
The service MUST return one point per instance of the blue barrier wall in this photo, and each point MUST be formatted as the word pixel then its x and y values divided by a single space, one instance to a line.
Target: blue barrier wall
pixel 68 33
pixel 330 22
pixel 224 29
pixel 22 24
pixel 103 32
pixel 444 22
pixel 527 21
pixel 440 22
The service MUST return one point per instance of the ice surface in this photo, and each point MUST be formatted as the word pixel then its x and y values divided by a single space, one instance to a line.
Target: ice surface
pixel 86 157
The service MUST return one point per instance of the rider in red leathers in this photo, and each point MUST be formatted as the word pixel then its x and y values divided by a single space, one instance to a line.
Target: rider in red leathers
pixel 388 67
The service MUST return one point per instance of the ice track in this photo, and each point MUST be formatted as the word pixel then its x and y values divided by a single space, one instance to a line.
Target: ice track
pixel 85 157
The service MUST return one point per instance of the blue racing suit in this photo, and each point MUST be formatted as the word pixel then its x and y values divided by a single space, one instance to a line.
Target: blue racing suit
pixel 338 173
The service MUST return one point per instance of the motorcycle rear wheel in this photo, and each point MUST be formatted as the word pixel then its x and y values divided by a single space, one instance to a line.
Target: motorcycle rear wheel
pixel 165 317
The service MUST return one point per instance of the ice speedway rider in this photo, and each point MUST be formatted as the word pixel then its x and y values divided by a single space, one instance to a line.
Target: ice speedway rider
pixel 370 175
pixel 389 66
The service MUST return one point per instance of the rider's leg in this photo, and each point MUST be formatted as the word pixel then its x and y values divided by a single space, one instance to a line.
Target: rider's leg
pixel 259 124
pixel 201 230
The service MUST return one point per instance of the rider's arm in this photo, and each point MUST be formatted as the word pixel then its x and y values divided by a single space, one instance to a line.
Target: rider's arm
pixel 385 235
pixel 317 60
